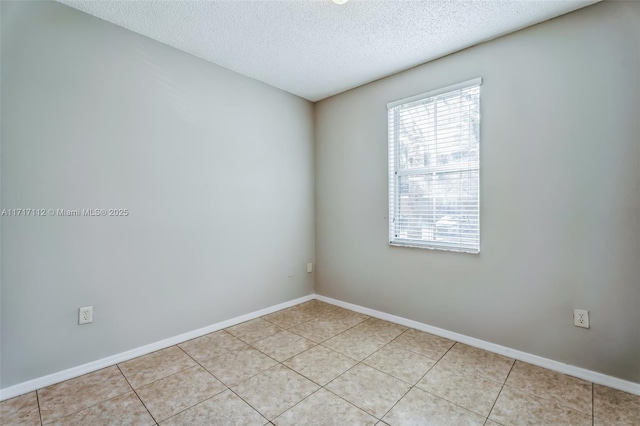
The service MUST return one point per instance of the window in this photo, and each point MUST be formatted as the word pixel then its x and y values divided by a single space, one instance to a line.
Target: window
pixel 434 169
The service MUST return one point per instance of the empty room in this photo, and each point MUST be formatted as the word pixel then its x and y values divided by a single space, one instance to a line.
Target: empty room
pixel 320 212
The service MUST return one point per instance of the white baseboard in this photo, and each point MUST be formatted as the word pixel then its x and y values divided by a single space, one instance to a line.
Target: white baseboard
pixel 581 373
pixel 61 376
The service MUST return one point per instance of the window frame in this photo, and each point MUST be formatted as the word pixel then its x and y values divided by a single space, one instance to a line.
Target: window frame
pixel 395 172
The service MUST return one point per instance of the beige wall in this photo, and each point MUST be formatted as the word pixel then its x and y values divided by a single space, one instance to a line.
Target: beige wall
pixel 215 168
pixel 560 195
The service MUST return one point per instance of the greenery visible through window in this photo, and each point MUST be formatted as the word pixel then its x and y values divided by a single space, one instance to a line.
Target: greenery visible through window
pixel 434 169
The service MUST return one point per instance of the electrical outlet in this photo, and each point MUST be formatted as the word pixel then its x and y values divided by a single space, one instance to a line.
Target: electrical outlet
pixel 309 268
pixel 85 315
pixel 581 318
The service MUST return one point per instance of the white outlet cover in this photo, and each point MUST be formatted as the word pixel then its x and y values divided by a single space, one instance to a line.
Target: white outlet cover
pixel 309 267
pixel 581 318
pixel 85 315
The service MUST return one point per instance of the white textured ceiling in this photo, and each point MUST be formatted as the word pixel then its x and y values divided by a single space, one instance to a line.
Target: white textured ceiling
pixel 316 49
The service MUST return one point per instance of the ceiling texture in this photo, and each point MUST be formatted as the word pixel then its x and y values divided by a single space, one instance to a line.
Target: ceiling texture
pixel 316 48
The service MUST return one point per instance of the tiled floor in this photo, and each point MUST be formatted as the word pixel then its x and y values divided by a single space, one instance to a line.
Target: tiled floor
pixel 317 364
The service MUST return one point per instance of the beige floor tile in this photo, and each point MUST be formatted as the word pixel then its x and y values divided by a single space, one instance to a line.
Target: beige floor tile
pixel 320 329
pixel 287 318
pixel 283 345
pixel 567 390
pixel 421 408
pixel 73 395
pixel 275 390
pixel 382 330
pixel 177 392
pixel 149 368
pixel 226 409
pixel 354 344
pixel 345 317
pixel 254 330
pixel 469 391
pixel 601 422
pixel 424 343
pixel 369 389
pixel 492 423
pixel 239 365
pixel 122 410
pixel 611 406
pixel 320 364
pixel 317 308
pixel 211 345
pixel 21 410
pixel 400 363
pixel 480 362
pixel 515 407
pixel 324 409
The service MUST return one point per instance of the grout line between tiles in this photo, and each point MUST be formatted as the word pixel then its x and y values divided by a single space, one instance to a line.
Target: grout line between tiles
pixel 137 396
pixel 342 332
pixel 303 399
pixel 214 376
pixel 593 406
pixel 91 406
pixel 335 378
pixel 253 347
pixel 309 378
pixel 164 377
pixel 252 407
pixel 549 399
pixel 291 326
pixel 434 364
pixel 421 354
pixel 266 354
pixel 388 374
pixel 546 397
pixel 455 403
pixel 303 322
pixel 396 403
pixel 88 406
pixel 358 362
pixel 486 422
pixel 284 366
pixel 248 378
pixel 188 408
pixel 351 403
pixel 173 374
pixel 39 411
pixel 385 343
pixel 501 388
pixel 354 366
pixel 494 404
pixel 251 377
pixel 191 406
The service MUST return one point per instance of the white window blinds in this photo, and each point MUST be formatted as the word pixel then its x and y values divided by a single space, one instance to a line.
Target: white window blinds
pixel 434 169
